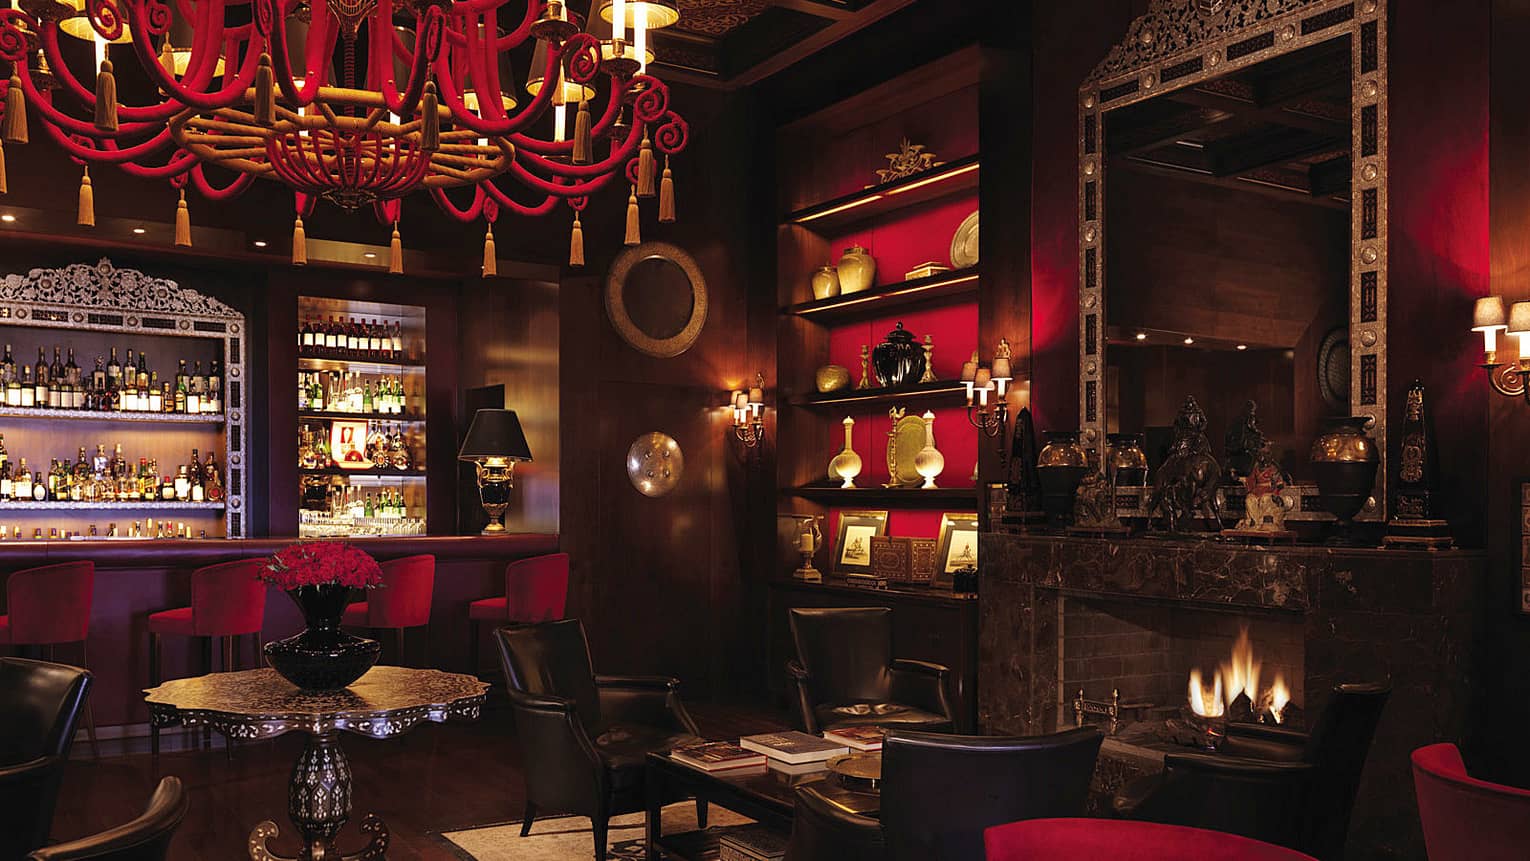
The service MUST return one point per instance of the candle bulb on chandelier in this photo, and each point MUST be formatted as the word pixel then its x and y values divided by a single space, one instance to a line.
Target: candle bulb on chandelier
pixel 618 21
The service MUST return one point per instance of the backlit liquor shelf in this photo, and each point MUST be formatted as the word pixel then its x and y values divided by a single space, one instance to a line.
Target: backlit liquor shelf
pixel 48 415
pixel 361 419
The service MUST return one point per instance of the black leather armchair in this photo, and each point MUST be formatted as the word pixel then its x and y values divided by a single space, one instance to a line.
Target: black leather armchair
pixel 845 674
pixel 40 704
pixel 940 791
pixel 1278 785
pixel 584 737
pixel 146 838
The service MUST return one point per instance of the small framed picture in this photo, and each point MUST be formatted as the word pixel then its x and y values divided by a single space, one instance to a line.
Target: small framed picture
pixel 852 545
pixel 958 545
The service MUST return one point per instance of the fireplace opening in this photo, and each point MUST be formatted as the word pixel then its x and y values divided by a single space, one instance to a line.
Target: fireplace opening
pixel 1166 676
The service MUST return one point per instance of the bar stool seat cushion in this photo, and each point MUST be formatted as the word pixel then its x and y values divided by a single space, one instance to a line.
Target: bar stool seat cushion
pixel 489 610
pixel 5 629
pixel 176 622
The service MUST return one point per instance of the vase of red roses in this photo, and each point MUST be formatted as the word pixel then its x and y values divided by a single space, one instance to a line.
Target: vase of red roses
pixel 320 578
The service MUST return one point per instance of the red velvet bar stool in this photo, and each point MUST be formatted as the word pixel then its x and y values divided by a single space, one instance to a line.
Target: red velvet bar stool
pixel 228 601
pixel 536 590
pixel 403 601
pixel 50 606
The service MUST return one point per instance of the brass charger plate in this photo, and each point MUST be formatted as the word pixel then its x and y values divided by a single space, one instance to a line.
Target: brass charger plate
pixel 903 444
pixel 858 770
pixel 964 245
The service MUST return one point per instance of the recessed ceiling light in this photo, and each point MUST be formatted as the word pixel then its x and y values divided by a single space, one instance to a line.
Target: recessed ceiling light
pixel 1243 346
pixel 1189 341
pixel 7 218
pixel 1142 336
pixel 260 243
pixel 370 255
pixel 140 231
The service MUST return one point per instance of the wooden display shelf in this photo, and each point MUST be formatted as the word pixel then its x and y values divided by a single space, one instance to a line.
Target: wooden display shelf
pixel 371 470
pixel 124 505
pixel 48 415
pixel 833 215
pixel 405 419
pixel 944 391
pixel 360 366
pixel 940 287
pixel 952 498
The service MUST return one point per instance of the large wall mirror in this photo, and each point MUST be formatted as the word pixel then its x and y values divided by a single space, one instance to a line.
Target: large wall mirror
pixel 1232 234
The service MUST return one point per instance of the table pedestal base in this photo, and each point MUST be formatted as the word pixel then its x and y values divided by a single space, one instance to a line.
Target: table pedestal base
pixel 319 802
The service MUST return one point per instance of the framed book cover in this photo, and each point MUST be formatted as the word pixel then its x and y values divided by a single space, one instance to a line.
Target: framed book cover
pixel 852 544
pixel 922 562
pixel 891 558
pixel 958 545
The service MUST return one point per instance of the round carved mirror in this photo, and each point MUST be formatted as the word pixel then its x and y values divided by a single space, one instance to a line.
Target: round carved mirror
pixel 656 299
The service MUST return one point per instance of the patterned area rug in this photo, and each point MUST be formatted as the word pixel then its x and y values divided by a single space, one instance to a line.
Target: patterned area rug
pixel 568 837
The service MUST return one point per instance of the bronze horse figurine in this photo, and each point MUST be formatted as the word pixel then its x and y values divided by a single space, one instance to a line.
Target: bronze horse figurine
pixel 1186 484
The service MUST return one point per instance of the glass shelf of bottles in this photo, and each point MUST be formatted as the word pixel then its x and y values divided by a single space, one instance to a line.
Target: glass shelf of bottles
pixel 111 481
pixel 132 390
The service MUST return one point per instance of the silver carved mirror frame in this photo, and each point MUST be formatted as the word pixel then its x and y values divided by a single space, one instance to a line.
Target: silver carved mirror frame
pixel 1180 43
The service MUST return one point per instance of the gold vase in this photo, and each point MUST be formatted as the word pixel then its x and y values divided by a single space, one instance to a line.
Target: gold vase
pixel 825 282
pixel 857 270
pixel 847 464
pixel 1345 460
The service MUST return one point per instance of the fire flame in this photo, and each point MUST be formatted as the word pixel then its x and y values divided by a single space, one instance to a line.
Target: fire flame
pixel 1242 673
pixel 1280 697
pixel 1204 701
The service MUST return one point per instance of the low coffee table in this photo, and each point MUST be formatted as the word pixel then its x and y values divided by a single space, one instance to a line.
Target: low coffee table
pixel 766 797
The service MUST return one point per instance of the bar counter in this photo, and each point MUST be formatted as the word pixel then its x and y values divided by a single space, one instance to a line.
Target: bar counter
pixel 135 578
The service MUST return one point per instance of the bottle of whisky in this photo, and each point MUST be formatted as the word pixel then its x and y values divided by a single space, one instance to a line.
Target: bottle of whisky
pixel 113 371
pixel 212 480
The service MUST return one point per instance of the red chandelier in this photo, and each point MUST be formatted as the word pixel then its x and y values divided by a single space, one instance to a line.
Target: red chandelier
pixel 253 87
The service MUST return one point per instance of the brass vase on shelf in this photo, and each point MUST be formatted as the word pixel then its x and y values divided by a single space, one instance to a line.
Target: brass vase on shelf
pixel 1061 465
pixel 846 465
pixel 1126 464
pixel 825 282
pixel 857 270
pixel 1345 460
pixel 831 378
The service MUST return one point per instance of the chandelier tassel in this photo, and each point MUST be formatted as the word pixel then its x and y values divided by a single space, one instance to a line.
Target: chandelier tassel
pixel 490 261
pixel 87 214
pixel 4 184
pixel 645 168
pixel 667 195
pixel 265 93
pixel 182 222
pixel 106 98
pixel 299 243
pixel 576 244
pixel 14 129
pixel 396 251
pixel 634 233
pixel 430 122
pixel 582 145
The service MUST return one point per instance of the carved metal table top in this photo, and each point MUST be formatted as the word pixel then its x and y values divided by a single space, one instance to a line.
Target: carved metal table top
pixel 255 704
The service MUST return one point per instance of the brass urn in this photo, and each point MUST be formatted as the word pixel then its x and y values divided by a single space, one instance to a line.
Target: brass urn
pixel 1344 460
pixel 1061 466
pixel 1127 464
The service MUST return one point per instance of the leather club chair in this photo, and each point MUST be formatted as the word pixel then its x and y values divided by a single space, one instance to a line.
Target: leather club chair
pixel 1273 784
pixel 146 838
pixel 40 704
pixel 584 737
pixel 846 676
pixel 940 792
pixel 1139 841
pixel 1466 819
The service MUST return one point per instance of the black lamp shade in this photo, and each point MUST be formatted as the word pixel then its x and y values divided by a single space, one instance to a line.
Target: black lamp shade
pixel 495 433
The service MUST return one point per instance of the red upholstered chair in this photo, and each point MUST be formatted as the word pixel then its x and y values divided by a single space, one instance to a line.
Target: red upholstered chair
pixel 403 600
pixel 1466 818
pixel 1124 840
pixel 536 590
pixel 228 601
pixel 49 606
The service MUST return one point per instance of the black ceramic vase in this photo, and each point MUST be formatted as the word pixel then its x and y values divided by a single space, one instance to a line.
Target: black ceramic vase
pixel 322 657
pixel 898 360
pixel 1345 461
pixel 1061 466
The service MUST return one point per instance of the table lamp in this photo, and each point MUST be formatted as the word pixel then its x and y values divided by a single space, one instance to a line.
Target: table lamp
pixel 493 444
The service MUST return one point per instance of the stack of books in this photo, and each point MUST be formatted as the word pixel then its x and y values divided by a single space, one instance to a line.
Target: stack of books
pixel 718 756
pixel 793 752
pixel 751 843
pixel 867 739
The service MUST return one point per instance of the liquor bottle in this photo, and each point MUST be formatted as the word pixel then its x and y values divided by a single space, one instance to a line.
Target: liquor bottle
pixel 180 392
pixel 167 489
pixel 397 342
pixel 366 398
pixel 212 479
pixel 398 451
pixel 39 489
pixel 182 378
pixel 306 337
pixel 193 392
pixel 142 372
pixel 28 390
pixel 182 484
pixel 113 371
pixel 98 377
pixel 129 371
pixel 111 399
pixel 4 456
pixel 72 370
pixel 7 367
pixel 50 489
pixel 81 487
pixel 56 370
pixel 303 392
pixel 215 385
pixel 130 394
pixel 316 395
pixel 156 397
pixel 21 487
pixel 40 379
pixel 7 486
pixel 166 398
pixel 198 489
pixel 13 391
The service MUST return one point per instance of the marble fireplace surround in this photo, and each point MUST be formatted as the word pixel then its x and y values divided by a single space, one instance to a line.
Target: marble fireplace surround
pixel 1365 614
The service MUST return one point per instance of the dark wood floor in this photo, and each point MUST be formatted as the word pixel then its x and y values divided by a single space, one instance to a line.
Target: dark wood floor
pixel 436 778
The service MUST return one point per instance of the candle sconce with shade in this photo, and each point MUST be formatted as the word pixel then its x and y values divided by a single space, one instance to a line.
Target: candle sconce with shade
pixel 988 396
pixel 493 444
pixel 749 413
pixel 1506 377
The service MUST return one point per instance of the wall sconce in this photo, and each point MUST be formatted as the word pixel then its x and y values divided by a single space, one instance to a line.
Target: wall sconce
pixel 1506 378
pixel 749 413
pixel 990 384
